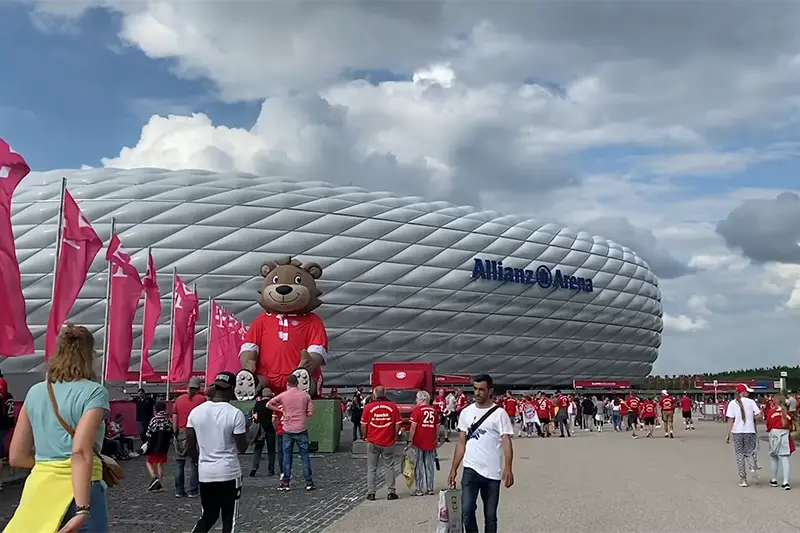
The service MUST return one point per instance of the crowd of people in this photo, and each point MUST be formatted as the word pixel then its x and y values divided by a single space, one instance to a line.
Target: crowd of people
pixel 64 424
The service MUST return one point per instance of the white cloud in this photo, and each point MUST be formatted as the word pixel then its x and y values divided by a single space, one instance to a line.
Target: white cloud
pixel 569 111
pixel 684 323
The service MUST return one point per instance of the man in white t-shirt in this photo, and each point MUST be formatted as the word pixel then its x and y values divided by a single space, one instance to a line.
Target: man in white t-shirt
pixel 741 414
pixel 216 434
pixel 487 454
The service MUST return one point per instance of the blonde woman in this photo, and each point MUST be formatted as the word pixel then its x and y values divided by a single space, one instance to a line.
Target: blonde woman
pixel 66 473
pixel 781 444
pixel 741 414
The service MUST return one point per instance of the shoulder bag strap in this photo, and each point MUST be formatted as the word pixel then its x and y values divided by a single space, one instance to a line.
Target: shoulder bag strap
pixel 474 427
pixel 69 429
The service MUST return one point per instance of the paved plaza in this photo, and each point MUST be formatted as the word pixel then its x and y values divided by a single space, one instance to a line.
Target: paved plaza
pixel 611 483
pixel 263 509
pixel 593 482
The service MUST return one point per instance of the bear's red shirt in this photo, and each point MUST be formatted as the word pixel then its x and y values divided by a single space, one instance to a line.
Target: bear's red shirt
pixel 279 339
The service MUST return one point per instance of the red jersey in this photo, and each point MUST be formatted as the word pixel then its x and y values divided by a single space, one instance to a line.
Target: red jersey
pixel 184 406
pixel 510 405
pixel 278 422
pixel 461 402
pixel 562 402
pixel 667 404
pixel 648 409
pixel 425 434
pixel 623 408
pixel 543 408
pixel 279 339
pixel 381 417
pixel 686 404
pixel 633 404
pixel 4 389
pixel 773 419
pixel 440 404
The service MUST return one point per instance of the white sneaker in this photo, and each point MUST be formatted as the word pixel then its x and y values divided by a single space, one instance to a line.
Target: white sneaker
pixel 743 483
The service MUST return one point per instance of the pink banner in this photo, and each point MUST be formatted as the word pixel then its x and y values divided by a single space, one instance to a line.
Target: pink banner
pixel 126 289
pixel 15 337
pixel 186 313
pixel 152 313
pixel 79 246
pixel 226 336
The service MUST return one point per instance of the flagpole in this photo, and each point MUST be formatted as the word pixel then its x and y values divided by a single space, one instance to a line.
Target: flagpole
pixel 208 340
pixel 106 340
pixel 59 237
pixel 171 324
pixel 144 322
pixel 194 290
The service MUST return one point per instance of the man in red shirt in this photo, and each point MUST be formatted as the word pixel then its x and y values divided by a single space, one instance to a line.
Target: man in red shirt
pixel 562 416
pixel 648 410
pixel 667 405
pixel 423 437
pixel 633 404
pixel 510 406
pixel 686 411
pixel 461 402
pixel 544 408
pixel 440 404
pixel 380 424
pixel 184 404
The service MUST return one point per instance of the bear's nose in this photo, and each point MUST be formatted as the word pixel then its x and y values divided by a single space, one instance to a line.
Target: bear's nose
pixel 283 290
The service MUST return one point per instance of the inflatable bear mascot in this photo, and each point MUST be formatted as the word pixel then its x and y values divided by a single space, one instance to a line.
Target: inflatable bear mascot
pixel 289 338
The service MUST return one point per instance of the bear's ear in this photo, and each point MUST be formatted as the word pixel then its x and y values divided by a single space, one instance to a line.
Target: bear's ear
pixel 268 267
pixel 314 269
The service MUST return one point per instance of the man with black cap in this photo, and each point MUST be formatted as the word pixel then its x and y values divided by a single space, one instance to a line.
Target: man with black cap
pixel 216 435
pixel 184 405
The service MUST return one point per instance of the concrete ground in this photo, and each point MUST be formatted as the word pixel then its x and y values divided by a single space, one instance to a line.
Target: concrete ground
pixel 609 482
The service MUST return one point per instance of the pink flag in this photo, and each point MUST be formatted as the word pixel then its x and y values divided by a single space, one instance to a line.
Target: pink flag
pixel 126 289
pixel 186 313
pixel 152 312
pixel 226 337
pixel 79 246
pixel 15 337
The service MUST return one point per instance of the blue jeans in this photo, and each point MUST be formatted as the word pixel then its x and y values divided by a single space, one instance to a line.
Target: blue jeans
pixel 288 447
pixel 184 463
pixel 616 418
pixel 473 484
pixel 98 511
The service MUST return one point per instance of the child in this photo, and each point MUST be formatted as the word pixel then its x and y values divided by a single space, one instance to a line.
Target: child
pixel 157 443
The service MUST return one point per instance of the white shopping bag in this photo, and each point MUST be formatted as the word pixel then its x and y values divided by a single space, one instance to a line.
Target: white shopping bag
pixel 449 512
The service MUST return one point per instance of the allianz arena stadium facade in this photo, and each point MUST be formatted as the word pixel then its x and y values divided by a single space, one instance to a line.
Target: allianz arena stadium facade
pixel 404 279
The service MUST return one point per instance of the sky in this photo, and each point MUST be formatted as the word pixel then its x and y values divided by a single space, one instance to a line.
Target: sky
pixel 670 127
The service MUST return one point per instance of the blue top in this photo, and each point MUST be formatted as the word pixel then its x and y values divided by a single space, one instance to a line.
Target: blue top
pixel 74 398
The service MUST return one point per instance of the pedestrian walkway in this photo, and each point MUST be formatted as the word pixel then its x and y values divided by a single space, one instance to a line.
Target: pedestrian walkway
pixel 610 482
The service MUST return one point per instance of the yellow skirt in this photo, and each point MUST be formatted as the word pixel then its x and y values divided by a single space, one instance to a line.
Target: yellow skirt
pixel 46 497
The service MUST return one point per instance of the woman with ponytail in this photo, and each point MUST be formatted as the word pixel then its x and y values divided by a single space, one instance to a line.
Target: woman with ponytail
pixel 66 473
pixel 781 443
pixel 741 414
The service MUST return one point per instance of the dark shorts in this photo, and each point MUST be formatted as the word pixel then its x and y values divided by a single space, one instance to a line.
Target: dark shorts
pixel 3 443
pixel 649 421
pixel 544 421
pixel 632 419
pixel 687 414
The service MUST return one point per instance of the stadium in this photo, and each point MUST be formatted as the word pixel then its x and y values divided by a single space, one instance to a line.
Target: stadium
pixel 405 279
